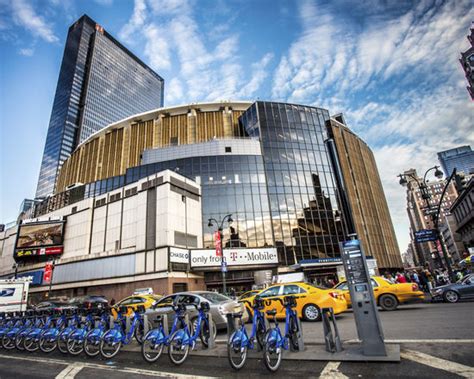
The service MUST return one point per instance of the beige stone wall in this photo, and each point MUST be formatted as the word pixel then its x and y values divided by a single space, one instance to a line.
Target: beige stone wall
pixel 111 153
pixel 366 196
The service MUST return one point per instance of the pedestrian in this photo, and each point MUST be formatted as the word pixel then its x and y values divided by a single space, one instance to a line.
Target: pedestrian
pixel 400 278
pixel 423 281
pixel 415 278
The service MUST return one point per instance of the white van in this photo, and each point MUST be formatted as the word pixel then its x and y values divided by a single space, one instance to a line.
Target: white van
pixel 14 294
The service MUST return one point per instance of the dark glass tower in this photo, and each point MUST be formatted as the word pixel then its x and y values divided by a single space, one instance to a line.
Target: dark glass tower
pixel 307 221
pixel 100 82
pixel 461 158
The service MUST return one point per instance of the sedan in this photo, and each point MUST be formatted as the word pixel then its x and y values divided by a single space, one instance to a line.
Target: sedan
pixel 220 306
pixel 452 293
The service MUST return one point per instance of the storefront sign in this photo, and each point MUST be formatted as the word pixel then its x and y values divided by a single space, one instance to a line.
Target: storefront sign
pixel 179 255
pixel 234 257
pixel 44 251
pixel 35 276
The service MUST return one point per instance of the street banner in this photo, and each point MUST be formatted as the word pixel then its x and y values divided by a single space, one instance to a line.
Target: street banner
pixel 48 272
pixel 218 243
pixel 234 257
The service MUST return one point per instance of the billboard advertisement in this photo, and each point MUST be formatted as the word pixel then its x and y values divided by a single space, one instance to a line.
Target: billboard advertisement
pixel 234 257
pixel 39 239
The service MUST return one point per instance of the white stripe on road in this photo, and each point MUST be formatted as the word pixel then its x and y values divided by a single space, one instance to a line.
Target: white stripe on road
pixel 421 341
pixel 441 364
pixel 331 371
pixel 109 368
pixel 70 371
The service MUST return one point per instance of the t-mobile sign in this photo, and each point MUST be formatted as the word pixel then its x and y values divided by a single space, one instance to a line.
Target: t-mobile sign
pixel 235 257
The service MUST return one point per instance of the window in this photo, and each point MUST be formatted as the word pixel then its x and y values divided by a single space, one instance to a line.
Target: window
pixel 292 289
pixel 342 286
pixel 273 291
pixel 228 149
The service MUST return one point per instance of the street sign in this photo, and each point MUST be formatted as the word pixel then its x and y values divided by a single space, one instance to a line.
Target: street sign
pixel 426 235
pixel 218 243
pixel 224 266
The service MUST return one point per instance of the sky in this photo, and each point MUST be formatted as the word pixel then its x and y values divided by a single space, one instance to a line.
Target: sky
pixel 390 66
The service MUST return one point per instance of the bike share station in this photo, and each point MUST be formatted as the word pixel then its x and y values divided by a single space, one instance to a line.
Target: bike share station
pixel 370 347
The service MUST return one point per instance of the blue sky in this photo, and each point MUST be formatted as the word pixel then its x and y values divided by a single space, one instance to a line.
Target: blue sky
pixel 391 66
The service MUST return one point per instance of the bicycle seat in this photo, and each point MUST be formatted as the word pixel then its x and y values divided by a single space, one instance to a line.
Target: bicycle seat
pixel 205 307
pixel 123 309
pixel 258 303
pixel 290 301
pixel 271 312
pixel 140 309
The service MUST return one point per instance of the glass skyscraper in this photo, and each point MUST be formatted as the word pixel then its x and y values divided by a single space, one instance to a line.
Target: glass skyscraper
pixel 461 158
pixel 100 82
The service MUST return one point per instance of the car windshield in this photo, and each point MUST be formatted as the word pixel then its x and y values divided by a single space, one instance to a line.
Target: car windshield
pixel 214 297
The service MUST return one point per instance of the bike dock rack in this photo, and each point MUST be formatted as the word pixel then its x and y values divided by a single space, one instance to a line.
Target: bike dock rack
pixel 212 342
pixel 331 333
pixel 300 337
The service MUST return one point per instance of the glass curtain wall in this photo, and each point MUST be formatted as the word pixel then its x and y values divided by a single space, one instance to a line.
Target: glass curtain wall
pixel 306 219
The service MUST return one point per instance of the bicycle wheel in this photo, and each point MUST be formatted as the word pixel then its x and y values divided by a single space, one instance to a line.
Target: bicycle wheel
pixel 74 346
pixel 62 342
pixel 19 339
pixel 92 344
pixel 150 350
pixel 177 351
pixel 261 331
pixel 108 347
pixel 205 333
pixel 236 353
pixel 31 344
pixel 47 344
pixel 271 352
pixel 8 342
pixel 293 333
pixel 139 332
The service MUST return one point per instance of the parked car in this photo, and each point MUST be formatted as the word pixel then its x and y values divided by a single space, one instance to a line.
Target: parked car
pixel 248 294
pixel 309 299
pixel 89 302
pixel 220 306
pixel 452 293
pixel 388 295
pixel 51 305
pixel 132 302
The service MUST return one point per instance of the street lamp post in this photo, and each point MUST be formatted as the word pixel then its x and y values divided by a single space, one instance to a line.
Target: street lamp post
pixel 425 195
pixel 220 226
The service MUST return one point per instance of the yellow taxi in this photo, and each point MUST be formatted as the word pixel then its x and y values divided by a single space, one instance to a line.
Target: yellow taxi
pixel 388 295
pixel 309 299
pixel 132 302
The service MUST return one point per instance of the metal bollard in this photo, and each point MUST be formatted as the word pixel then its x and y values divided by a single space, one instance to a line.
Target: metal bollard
pixel 211 342
pixel 127 324
pixel 111 322
pixel 331 332
pixel 164 320
pixel 145 324
pixel 230 324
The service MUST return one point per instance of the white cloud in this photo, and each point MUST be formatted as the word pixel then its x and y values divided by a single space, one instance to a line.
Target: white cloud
pixel 174 92
pixel 25 16
pixel 157 48
pixel 135 23
pixel 26 52
pixel 259 74
pixel 396 78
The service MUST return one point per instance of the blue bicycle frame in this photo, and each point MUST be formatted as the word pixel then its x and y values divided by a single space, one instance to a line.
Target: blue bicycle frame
pixel 275 338
pixel 241 338
pixel 118 333
pixel 183 336
pixel 160 336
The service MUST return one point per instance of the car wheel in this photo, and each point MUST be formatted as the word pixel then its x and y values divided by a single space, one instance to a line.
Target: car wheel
pixel 388 302
pixel 311 312
pixel 451 296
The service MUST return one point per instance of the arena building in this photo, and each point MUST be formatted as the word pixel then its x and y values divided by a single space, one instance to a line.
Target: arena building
pixel 295 181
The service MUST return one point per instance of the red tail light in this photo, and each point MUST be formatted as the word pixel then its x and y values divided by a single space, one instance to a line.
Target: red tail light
pixel 414 287
pixel 334 295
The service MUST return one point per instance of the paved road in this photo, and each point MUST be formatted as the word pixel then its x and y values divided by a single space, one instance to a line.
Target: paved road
pixel 437 341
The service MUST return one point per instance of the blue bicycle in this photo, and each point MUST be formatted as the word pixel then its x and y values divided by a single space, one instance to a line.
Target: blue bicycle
pixel 94 336
pixel 113 339
pixel 51 337
pixel 275 342
pixel 37 322
pixel 8 339
pixel 156 339
pixel 240 341
pixel 75 340
pixel 181 340
pixel 31 341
